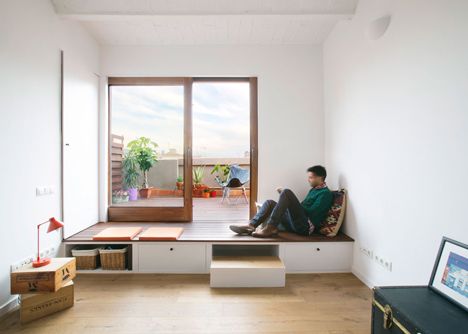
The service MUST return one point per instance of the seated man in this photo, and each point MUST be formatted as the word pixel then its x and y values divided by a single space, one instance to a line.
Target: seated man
pixel 288 213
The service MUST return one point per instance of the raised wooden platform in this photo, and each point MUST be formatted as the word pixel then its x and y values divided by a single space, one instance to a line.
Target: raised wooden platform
pixel 204 231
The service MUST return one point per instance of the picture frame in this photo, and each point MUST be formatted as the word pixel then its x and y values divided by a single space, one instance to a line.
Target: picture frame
pixel 449 276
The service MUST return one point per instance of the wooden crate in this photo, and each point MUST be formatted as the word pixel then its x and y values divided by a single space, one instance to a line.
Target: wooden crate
pixel 49 278
pixel 38 305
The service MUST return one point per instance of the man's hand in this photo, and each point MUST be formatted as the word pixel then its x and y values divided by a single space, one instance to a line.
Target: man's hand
pixel 279 190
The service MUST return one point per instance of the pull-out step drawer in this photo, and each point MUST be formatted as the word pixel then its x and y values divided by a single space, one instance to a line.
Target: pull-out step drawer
pixel 247 271
pixel 172 257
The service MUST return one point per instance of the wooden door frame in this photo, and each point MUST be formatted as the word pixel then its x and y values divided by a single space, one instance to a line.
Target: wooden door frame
pixel 154 213
pixel 186 213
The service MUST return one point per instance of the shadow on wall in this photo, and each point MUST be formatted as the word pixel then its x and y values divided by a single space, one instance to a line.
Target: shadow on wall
pixel 352 228
pixel 350 220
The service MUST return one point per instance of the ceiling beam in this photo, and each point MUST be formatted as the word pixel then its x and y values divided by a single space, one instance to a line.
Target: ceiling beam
pixel 79 9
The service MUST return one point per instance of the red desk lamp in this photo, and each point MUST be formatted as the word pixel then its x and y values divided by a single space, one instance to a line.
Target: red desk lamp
pixel 54 224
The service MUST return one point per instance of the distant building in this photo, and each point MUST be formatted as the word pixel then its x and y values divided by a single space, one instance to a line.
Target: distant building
pixel 171 154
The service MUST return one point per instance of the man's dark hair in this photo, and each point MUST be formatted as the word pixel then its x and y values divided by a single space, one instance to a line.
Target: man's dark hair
pixel 318 170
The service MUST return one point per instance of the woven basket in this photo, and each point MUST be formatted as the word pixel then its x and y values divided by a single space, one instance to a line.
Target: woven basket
pixel 114 257
pixel 87 257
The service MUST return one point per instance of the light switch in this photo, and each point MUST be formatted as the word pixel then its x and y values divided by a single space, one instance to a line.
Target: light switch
pixel 39 191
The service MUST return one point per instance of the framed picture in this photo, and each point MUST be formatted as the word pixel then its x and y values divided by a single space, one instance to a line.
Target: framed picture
pixel 450 274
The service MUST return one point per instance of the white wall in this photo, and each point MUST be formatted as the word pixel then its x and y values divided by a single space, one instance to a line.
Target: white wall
pixel 31 36
pixel 396 114
pixel 289 97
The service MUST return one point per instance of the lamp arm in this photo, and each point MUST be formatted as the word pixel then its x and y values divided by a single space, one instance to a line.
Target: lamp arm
pixel 38 249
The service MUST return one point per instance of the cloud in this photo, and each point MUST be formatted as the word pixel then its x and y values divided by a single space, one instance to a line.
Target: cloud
pixel 220 116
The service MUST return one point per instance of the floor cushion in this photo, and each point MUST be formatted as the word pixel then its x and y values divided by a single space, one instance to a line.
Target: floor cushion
pixel 118 233
pixel 161 233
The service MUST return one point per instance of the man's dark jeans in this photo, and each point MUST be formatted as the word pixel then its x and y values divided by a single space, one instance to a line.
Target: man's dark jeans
pixel 287 213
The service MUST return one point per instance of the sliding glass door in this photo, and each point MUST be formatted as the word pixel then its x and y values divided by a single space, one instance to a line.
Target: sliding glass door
pixel 150 147
pixel 149 144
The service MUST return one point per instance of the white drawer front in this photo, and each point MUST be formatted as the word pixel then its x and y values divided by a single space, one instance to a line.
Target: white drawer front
pixel 317 256
pixel 172 258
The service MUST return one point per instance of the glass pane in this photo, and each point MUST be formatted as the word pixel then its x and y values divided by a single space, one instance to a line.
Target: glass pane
pixel 221 139
pixel 147 127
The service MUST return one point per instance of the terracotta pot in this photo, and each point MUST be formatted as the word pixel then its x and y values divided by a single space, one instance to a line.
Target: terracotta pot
pixel 180 185
pixel 206 194
pixel 197 193
pixel 145 192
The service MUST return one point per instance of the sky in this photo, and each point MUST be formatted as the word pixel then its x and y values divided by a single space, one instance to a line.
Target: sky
pixel 220 116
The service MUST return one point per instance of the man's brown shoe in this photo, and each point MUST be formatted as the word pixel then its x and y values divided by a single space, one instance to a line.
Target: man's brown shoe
pixel 266 232
pixel 242 229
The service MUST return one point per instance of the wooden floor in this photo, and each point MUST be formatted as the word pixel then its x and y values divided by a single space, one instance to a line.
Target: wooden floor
pixel 310 303
pixel 197 231
pixel 203 208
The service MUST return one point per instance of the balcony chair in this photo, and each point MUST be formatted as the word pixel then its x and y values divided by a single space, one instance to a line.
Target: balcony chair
pixel 237 178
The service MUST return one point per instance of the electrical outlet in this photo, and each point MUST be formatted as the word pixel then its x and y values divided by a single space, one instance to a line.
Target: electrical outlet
pixel 366 252
pixel 44 190
pixel 386 264
pixel 49 252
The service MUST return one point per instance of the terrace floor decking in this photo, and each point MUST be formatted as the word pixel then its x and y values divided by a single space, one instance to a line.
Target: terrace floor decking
pixel 203 208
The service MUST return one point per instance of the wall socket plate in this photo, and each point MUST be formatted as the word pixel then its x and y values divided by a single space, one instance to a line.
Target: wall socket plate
pixel 367 252
pixel 386 264
pixel 27 260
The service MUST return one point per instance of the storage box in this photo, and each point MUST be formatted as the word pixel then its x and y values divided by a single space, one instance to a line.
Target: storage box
pixel 415 309
pixel 35 306
pixel 49 278
pixel 87 257
pixel 114 257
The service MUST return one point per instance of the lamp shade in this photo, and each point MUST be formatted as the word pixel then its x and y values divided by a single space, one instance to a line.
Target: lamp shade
pixel 54 224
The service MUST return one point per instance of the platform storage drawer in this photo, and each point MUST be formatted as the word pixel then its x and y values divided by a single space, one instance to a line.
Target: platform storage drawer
pixel 49 278
pixel 415 309
pixel 38 305
pixel 316 257
pixel 172 257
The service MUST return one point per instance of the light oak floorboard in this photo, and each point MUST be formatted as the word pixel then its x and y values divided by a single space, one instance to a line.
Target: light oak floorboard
pixel 148 303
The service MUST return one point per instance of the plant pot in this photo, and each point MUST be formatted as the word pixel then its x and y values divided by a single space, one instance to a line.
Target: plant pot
pixel 198 189
pixel 145 192
pixel 206 194
pixel 180 185
pixel 119 199
pixel 132 194
pixel 213 193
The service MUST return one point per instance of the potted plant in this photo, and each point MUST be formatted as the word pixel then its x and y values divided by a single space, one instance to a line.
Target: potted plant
pixel 213 193
pixel 206 193
pixel 119 196
pixel 145 152
pixel 130 175
pixel 180 183
pixel 198 186
pixel 222 172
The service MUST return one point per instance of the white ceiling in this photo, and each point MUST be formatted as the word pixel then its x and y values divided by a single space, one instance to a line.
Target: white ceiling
pixel 207 22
